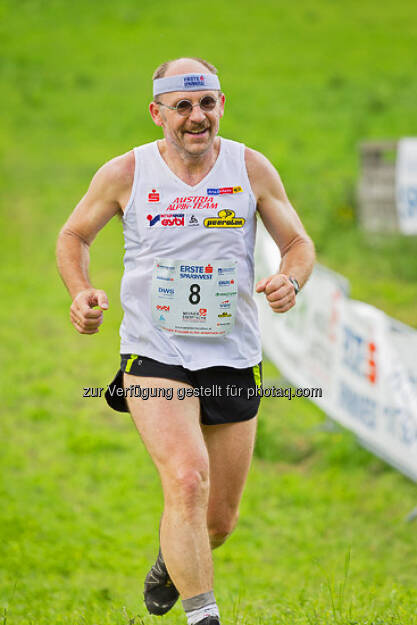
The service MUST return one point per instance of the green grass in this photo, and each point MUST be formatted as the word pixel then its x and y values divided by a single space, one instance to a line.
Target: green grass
pixel 323 537
pixel 304 85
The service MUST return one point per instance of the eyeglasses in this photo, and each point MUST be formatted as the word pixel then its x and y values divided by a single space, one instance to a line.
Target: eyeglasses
pixel 184 107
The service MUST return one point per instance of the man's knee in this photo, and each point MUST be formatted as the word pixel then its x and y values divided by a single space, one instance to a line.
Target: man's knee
pixel 187 488
pixel 220 528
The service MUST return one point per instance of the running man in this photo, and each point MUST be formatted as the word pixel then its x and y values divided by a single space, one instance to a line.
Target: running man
pixel 189 203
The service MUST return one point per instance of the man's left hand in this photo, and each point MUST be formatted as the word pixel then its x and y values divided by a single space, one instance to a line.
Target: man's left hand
pixel 279 292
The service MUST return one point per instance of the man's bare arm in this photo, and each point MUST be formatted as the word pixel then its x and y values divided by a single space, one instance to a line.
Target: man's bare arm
pixel 108 193
pixel 285 227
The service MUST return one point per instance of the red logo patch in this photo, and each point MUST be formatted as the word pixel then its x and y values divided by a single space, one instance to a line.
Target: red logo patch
pixel 208 269
pixel 153 196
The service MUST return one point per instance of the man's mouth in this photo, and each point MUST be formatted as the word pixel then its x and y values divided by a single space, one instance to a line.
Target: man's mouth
pixel 197 133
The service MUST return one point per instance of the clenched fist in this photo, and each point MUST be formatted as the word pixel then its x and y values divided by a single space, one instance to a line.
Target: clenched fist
pixel 279 292
pixel 85 318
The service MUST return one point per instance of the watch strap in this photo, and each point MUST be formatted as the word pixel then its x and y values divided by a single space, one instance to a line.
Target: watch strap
pixel 295 284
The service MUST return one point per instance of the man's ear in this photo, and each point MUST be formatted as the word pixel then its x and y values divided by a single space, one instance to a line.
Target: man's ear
pixel 222 101
pixel 155 113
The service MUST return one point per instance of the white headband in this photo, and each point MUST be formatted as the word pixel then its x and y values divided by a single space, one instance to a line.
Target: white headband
pixel 186 82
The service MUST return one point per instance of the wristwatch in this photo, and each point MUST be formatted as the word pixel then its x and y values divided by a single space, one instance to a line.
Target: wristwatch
pixel 295 284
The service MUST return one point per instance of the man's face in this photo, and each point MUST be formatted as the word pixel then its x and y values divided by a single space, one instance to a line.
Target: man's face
pixel 193 134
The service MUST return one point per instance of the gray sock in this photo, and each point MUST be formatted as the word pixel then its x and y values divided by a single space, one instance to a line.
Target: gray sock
pixel 198 607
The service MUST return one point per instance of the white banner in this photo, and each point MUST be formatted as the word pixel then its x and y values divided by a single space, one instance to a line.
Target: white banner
pixel 365 362
pixel 406 185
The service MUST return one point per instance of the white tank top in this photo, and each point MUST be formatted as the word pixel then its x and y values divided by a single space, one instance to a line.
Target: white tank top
pixel 167 218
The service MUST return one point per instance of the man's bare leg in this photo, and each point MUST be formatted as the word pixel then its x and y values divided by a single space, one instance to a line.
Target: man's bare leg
pixel 230 448
pixel 172 435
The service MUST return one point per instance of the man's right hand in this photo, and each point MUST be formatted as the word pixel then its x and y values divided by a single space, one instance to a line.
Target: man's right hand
pixel 85 318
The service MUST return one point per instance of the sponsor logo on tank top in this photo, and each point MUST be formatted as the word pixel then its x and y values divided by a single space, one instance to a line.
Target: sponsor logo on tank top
pixel 196 272
pixel 153 220
pixel 225 303
pixel 153 196
pixel 196 202
pixel 195 317
pixel 226 219
pixel 166 292
pixel 165 278
pixel 169 267
pixel 166 219
pixel 193 221
pixel 224 190
pixel 159 307
pixel 224 314
pixel 197 268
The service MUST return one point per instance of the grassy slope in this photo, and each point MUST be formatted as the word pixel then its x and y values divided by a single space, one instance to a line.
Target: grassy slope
pixel 81 497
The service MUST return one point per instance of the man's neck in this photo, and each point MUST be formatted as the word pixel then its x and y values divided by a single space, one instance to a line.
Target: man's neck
pixel 191 169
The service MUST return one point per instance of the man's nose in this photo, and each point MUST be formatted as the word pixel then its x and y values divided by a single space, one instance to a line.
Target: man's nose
pixel 197 114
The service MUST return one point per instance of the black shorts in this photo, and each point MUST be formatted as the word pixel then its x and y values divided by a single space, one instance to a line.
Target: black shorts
pixel 226 394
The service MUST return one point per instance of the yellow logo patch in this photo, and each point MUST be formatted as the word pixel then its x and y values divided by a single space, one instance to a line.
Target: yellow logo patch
pixel 226 219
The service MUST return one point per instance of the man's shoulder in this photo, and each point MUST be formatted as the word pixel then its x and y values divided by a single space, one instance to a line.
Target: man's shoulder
pixel 120 170
pixel 259 167
pixel 255 160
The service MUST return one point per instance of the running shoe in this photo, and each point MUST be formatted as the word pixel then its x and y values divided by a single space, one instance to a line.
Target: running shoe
pixel 160 593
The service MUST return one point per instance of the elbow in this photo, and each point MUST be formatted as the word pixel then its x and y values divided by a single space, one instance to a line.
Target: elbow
pixel 68 235
pixel 302 243
pixel 69 244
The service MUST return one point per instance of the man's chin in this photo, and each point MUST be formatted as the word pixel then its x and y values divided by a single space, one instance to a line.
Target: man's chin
pixel 197 144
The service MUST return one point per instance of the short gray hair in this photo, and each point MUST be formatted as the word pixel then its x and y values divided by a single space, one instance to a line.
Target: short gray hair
pixel 162 69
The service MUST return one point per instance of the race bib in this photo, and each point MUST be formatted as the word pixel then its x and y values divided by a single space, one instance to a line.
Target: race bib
pixel 194 298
